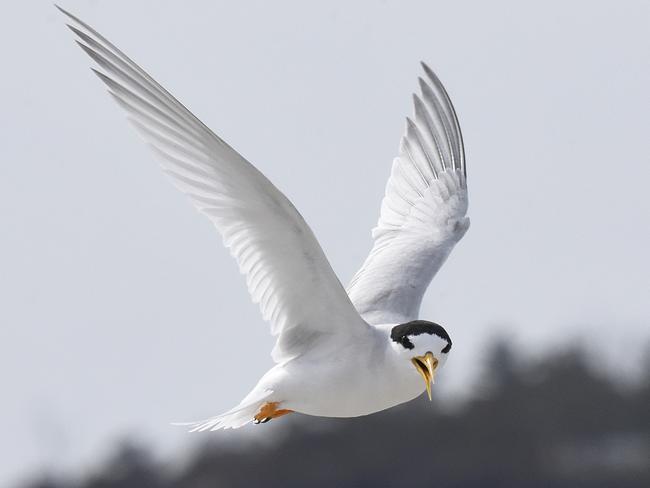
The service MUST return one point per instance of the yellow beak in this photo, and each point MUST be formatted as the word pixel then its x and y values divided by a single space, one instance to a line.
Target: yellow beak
pixel 426 366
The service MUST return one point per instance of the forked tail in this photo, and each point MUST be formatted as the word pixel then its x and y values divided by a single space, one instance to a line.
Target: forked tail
pixel 232 419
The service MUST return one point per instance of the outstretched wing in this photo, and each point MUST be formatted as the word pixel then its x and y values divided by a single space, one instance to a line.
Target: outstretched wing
pixel 286 270
pixel 422 213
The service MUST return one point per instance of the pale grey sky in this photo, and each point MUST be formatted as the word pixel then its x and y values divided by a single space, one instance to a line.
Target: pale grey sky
pixel 119 303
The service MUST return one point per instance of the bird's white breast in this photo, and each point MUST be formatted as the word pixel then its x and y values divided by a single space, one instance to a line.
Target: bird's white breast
pixel 358 379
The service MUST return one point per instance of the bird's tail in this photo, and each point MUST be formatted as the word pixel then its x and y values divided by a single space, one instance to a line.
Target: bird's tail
pixel 233 418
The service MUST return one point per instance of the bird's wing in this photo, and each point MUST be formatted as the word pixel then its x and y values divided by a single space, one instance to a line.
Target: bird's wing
pixel 286 270
pixel 422 213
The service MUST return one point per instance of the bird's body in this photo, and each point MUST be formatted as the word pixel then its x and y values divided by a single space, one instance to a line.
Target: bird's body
pixel 353 379
pixel 338 353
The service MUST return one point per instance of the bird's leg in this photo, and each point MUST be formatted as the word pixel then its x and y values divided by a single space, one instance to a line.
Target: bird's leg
pixel 268 411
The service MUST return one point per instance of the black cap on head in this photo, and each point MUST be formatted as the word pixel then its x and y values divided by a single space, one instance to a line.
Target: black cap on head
pixel 400 333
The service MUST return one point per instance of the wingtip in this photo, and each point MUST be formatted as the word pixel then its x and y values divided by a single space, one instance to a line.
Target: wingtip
pixel 433 77
pixel 418 104
pixel 62 10
pixel 73 28
pixel 429 72
pixel 410 126
pixel 68 14
pixel 103 77
pixel 88 50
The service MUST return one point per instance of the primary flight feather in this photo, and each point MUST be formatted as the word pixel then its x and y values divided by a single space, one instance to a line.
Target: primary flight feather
pixel 337 354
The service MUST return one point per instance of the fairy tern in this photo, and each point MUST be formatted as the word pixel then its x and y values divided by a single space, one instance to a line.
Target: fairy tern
pixel 338 353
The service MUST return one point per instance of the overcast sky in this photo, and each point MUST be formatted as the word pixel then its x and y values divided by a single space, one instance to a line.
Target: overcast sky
pixel 121 311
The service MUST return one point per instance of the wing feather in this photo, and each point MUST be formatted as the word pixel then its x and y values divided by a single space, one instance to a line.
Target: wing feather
pixel 422 214
pixel 287 273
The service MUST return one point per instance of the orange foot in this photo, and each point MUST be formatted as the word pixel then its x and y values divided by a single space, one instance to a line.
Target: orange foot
pixel 269 411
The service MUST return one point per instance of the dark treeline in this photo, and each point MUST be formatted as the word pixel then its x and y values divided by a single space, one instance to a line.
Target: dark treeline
pixel 552 423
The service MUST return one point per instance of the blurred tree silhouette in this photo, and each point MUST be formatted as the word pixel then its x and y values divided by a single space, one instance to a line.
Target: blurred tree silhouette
pixel 547 423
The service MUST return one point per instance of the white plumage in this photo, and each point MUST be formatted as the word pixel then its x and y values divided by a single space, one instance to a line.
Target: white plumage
pixel 422 214
pixel 330 360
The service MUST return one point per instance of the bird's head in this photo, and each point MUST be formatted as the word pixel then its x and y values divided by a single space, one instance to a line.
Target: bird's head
pixel 425 344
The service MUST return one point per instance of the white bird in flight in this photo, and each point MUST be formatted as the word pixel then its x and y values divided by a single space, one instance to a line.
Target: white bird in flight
pixel 337 353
